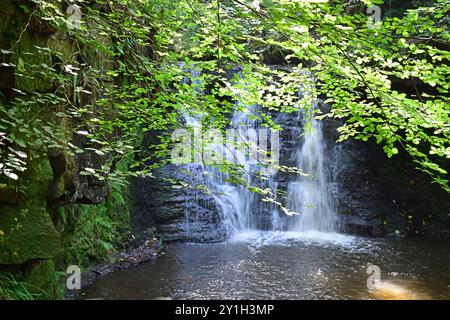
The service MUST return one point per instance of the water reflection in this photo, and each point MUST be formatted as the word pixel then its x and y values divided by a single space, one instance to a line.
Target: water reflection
pixel 399 290
pixel 268 266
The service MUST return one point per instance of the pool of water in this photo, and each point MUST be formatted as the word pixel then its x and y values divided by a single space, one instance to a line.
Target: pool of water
pixel 287 265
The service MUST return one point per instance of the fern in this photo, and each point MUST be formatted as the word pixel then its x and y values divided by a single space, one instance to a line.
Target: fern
pixel 13 289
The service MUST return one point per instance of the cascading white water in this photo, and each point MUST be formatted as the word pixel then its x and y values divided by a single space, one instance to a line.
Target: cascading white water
pixel 309 195
pixel 236 202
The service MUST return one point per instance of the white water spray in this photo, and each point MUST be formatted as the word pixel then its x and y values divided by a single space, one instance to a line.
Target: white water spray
pixel 236 202
pixel 309 195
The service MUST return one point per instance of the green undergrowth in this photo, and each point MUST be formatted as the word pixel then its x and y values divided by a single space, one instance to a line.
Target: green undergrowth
pixel 97 234
pixel 13 288
pixel 100 230
pixel 39 285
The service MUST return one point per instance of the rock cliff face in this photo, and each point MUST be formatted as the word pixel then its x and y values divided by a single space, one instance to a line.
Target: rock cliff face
pixel 375 196
pixel 178 213
pixel 380 196
pixel 362 206
pixel 354 186
pixel 32 228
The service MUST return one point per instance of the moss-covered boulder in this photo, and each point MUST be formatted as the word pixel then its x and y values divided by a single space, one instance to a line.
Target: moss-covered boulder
pixel 27 231
pixel 43 280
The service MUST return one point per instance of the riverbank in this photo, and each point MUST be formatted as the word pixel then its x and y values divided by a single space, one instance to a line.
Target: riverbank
pixel 146 252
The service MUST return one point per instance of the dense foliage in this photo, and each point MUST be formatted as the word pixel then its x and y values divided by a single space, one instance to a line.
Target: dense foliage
pixel 144 49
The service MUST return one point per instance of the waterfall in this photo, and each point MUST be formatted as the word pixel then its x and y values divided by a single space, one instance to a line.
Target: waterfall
pixel 309 195
pixel 236 202
pixel 242 210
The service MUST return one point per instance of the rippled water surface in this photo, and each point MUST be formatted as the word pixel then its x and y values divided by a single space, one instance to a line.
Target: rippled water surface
pixel 287 265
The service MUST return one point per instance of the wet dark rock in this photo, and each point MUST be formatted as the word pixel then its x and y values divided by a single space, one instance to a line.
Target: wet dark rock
pixel 88 189
pixel 176 213
pixel 59 161
pixel 358 192
pixel 421 207
pixel 380 196
pixel 362 227
pixel 374 195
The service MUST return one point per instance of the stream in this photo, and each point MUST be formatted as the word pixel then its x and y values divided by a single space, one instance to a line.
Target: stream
pixel 286 265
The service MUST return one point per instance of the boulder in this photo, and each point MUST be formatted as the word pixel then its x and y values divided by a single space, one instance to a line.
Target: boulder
pixel 27 229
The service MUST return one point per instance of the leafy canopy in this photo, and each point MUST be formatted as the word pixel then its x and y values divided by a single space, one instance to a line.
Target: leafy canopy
pixel 134 81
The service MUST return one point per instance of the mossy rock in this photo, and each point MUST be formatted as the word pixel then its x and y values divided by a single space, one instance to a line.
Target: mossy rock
pixel 27 232
pixel 57 189
pixel 7 11
pixel 43 281
pixel 63 47
pixel 29 60
pixel 100 54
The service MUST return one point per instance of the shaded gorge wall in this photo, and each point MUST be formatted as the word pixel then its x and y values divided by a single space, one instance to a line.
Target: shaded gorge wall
pixel 51 215
pixel 374 196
